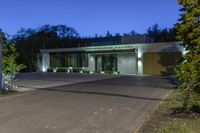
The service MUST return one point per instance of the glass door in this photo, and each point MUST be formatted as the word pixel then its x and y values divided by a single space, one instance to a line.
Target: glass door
pixel 107 63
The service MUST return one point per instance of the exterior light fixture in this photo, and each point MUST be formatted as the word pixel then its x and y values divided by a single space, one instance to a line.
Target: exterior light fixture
pixel 91 72
pixel 44 69
pixel 139 54
pixel 102 72
pixel 139 63
pixel 55 70
pixel 68 70
pixel 139 59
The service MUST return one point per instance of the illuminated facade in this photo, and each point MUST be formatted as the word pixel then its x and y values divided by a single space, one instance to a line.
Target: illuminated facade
pixel 138 58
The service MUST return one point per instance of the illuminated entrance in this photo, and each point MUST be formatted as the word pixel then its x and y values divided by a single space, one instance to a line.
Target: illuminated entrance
pixel 107 63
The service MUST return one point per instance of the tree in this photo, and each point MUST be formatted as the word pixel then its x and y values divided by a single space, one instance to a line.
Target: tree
pixel 9 65
pixel 108 34
pixel 153 32
pixel 96 35
pixel 117 34
pixel 188 73
pixel 65 32
pixel 27 46
pixel 30 41
pixel 133 33
pixel 158 34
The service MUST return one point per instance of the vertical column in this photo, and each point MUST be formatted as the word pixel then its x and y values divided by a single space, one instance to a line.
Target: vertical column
pixel 99 63
pixel 91 62
pixel 140 61
pixel 45 61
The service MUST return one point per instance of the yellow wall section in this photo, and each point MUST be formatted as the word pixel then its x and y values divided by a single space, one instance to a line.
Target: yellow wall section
pixel 160 63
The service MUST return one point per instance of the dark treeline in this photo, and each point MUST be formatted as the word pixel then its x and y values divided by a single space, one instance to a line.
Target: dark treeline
pixel 155 33
pixel 29 41
pixel 158 34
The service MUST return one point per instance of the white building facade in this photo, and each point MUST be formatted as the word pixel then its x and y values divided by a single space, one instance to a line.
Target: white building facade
pixel 141 58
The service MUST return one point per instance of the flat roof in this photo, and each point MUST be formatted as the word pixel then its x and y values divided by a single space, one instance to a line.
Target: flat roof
pixel 150 47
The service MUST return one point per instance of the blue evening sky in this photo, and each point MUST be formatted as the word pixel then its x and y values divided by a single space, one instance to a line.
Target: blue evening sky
pixel 88 16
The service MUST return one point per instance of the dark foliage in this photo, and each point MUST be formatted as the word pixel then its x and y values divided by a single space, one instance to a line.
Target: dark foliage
pixel 188 72
pixel 158 34
pixel 29 42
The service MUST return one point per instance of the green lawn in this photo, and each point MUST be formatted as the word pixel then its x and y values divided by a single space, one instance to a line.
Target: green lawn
pixel 165 120
pixel 180 125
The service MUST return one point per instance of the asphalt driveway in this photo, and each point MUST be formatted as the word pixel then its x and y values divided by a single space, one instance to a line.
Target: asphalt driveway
pixel 46 80
pixel 114 104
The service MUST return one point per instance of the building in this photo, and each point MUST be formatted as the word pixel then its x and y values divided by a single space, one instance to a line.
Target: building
pixel 123 55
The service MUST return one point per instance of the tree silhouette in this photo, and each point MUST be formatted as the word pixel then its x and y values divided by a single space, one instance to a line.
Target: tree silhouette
pixel 30 41
pixel 158 34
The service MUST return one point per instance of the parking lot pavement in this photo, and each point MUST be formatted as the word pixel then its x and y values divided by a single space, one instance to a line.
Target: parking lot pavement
pixel 112 105
pixel 46 80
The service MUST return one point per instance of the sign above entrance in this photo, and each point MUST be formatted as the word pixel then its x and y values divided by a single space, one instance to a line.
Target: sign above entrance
pixel 110 48
pixel 92 48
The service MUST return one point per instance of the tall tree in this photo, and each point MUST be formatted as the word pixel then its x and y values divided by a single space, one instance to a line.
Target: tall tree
pixel 30 41
pixel 133 33
pixel 117 34
pixel 108 34
pixel 158 34
pixel 188 73
pixel 153 32
pixel 27 46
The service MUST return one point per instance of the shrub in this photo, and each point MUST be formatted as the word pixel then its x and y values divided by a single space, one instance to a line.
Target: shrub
pixel 9 65
pixel 50 69
pixel 62 69
pixel 77 69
